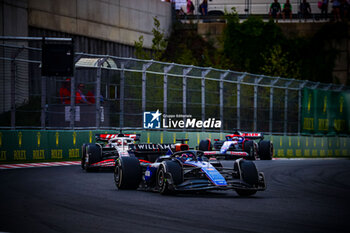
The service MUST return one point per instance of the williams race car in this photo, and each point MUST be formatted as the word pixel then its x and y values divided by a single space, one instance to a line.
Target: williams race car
pixel 187 171
pixel 108 147
pixel 239 145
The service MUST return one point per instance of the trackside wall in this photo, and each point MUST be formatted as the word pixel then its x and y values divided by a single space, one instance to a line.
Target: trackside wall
pixel 37 145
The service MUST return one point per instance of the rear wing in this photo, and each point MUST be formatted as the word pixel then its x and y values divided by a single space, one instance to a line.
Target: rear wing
pixel 158 148
pixel 151 152
pixel 161 148
pixel 107 137
pixel 252 136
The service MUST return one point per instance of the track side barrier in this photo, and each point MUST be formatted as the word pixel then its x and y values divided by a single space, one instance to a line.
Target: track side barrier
pixel 49 145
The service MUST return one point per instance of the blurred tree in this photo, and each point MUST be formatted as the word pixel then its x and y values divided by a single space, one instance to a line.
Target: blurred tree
pixel 159 44
pixel 140 52
pixel 277 63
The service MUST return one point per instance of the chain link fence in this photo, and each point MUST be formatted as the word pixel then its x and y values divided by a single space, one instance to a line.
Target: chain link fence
pixel 119 90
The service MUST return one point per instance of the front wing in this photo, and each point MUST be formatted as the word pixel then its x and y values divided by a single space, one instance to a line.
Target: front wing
pixel 202 185
pixel 104 163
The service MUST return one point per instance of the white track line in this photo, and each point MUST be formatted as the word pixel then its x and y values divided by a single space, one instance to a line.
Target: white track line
pixel 47 164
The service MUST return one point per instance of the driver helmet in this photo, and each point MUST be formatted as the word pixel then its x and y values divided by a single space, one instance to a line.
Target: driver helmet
pixel 186 157
pixel 118 142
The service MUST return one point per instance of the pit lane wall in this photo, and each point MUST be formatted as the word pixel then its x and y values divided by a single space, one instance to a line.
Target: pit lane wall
pixel 37 145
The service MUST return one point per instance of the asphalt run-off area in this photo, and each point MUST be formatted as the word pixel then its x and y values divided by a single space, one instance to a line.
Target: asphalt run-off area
pixel 301 196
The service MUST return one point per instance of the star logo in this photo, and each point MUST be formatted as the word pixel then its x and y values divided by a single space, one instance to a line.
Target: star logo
pixel 151 120
pixel 156 115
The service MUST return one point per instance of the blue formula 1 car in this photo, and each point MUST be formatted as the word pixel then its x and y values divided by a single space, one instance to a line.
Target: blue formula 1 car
pixel 187 171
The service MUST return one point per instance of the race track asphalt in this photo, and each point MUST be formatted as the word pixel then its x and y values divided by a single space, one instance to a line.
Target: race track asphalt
pixel 302 196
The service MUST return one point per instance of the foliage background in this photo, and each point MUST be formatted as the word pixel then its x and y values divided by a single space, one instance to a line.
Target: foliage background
pixel 257 47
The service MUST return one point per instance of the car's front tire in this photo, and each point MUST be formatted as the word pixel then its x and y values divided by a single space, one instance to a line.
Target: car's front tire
pixel 248 173
pixel 127 173
pixel 175 170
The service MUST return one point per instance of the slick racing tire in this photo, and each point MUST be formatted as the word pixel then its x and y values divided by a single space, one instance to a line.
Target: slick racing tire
pixel 83 154
pixel 175 170
pixel 94 153
pixel 265 150
pixel 127 173
pixel 248 173
pixel 250 149
pixel 205 145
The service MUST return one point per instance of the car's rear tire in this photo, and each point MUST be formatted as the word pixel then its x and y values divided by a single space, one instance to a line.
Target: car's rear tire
pixel 205 145
pixel 250 149
pixel 127 173
pixel 83 154
pixel 265 150
pixel 248 173
pixel 176 172
pixel 94 153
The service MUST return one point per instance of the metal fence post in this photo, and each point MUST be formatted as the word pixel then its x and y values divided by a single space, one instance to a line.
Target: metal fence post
pixel 13 94
pixel 256 82
pixel 122 84
pixel 239 79
pixel 98 91
pixel 144 78
pixel 300 105
pixel 222 77
pixel 273 82
pixel 97 96
pixel 299 112
pixel 238 106
pixel 165 92
pixel 285 110
pixel 286 107
pixel 43 102
pixel 13 87
pixel 255 107
pixel 165 88
pixel 72 96
pixel 72 102
pixel 184 90
pixel 204 73
pixel 271 109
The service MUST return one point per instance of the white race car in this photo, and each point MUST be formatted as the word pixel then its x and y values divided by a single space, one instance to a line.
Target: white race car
pixel 109 147
pixel 239 145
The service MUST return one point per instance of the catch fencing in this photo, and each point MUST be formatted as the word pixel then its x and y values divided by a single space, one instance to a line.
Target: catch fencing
pixel 119 90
